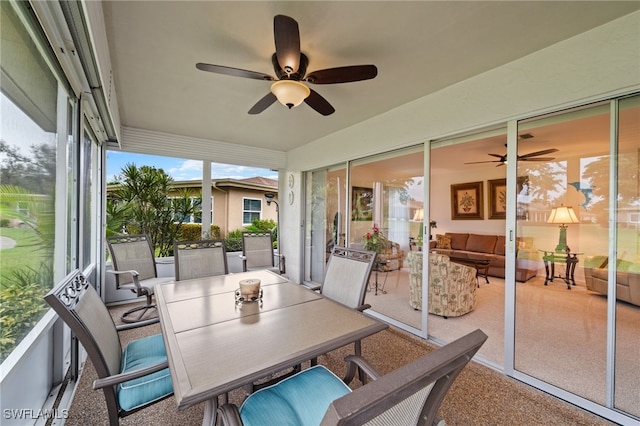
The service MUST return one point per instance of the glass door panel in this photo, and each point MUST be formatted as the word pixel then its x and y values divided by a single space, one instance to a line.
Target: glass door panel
pixel 387 193
pixel 627 275
pixel 476 162
pixel 562 233
pixel 325 220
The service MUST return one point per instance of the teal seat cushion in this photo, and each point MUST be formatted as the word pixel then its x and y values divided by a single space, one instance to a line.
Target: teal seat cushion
pixel 139 392
pixel 299 400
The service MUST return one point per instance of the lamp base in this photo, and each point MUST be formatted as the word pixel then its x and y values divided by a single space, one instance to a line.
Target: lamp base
pixel 562 240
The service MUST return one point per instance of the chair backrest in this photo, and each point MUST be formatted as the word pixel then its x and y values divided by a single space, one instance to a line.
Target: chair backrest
pixel 80 307
pixel 412 394
pixel 132 252
pixel 347 275
pixel 197 259
pixel 257 250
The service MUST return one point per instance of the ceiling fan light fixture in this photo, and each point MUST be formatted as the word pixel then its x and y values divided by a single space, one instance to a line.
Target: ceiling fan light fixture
pixel 290 93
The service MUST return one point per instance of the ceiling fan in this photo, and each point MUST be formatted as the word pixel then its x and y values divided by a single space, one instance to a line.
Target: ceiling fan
pixel 532 156
pixel 290 67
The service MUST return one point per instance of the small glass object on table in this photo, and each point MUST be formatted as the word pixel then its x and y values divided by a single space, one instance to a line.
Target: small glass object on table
pixel 249 291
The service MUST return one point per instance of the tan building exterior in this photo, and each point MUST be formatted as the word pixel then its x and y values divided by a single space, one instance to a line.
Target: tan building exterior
pixel 235 202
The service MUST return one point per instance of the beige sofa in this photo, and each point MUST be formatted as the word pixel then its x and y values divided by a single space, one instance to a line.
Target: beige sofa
pixel 452 287
pixel 492 248
pixel 596 276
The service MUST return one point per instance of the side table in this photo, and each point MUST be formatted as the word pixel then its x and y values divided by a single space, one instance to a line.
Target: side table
pixel 552 257
pixel 379 266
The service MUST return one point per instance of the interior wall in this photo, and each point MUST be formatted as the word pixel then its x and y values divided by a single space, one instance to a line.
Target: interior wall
pixel 441 202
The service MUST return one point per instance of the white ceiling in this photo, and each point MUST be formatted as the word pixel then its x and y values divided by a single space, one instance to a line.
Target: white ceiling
pixel 419 47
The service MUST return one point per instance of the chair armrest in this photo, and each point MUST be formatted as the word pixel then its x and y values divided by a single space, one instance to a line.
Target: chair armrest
pixel 134 274
pixel 364 307
pixel 125 377
pixel 313 287
pixel 229 415
pixel 137 324
pixel 363 365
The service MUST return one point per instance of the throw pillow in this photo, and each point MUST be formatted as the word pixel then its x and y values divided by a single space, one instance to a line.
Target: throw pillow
pixel 443 242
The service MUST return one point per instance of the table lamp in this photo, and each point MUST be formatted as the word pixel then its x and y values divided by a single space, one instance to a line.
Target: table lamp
pixel 563 215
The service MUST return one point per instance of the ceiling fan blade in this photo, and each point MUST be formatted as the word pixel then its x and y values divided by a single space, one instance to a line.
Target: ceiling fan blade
pixel 320 104
pixel 287 40
pixel 537 153
pixel 497 155
pixel 343 74
pixel 263 103
pixel 491 161
pixel 537 159
pixel 235 72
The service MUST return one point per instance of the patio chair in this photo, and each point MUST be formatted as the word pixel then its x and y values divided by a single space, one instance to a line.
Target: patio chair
pixel 131 380
pixel 345 281
pixel 410 395
pixel 257 252
pixel 197 259
pixel 134 266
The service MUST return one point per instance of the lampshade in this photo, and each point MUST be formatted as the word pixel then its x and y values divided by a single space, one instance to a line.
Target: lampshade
pixel 419 215
pixel 290 93
pixel 563 215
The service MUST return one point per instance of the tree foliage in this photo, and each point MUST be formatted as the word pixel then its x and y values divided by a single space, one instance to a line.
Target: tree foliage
pixel 142 203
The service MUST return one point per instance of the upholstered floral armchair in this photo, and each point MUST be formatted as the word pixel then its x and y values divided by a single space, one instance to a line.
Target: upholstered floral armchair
pixel 452 287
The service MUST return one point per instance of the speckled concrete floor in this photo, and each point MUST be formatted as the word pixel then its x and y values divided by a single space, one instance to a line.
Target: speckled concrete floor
pixel 480 396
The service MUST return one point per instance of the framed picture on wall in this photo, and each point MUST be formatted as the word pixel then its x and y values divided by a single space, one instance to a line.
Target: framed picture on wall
pixel 498 198
pixel 361 203
pixel 467 201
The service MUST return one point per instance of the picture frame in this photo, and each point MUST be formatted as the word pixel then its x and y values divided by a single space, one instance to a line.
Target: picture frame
pixel 498 198
pixel 361 203
pixel 467 201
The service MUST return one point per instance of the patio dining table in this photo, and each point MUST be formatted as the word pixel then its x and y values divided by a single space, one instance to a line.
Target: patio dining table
pixel 215 344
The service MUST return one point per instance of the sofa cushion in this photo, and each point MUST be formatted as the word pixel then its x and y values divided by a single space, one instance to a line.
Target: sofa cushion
pixel 481 243
pixel 443 242
pixel 501 246
pixel 458 241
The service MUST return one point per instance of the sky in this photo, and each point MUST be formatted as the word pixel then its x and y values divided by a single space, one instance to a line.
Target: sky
pixel 181 169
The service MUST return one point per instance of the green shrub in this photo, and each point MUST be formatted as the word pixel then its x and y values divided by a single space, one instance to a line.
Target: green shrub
pixel 4 223
pixel 233 241
pixel 193 232
pixel 22 305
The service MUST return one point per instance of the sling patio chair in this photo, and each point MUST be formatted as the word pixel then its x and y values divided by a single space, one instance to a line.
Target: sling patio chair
pixel 131 379
pixel 134 266
pixel 345 281
pixel 410 395
pixel 202 258
pixel 257 252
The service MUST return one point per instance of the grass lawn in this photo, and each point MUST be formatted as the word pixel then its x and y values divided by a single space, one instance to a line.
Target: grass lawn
pixel 28 253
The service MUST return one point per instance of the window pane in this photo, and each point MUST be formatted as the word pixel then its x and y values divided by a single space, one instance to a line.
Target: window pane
pixel 28 174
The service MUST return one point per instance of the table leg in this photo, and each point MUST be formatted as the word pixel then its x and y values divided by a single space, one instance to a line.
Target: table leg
pixel 548 271
pixel 210 412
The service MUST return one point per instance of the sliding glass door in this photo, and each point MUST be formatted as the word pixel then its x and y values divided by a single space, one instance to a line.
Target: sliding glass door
pixel 626 278
pixel 571 332
pixel 386 198
pixel 326 225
